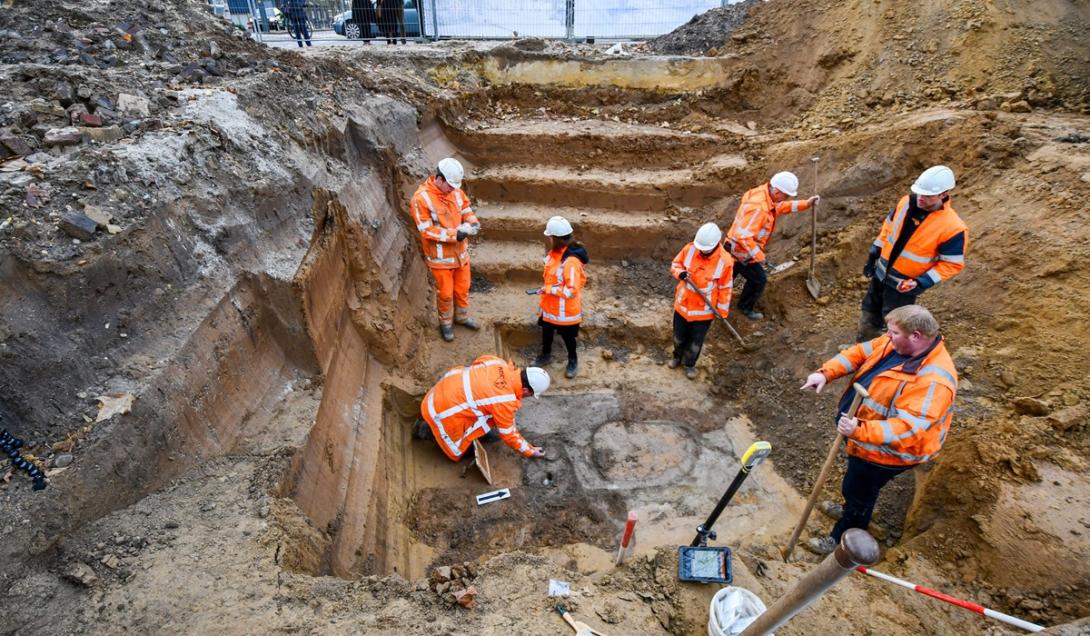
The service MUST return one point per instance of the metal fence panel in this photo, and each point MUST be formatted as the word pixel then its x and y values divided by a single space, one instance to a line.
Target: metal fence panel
pixel 501 18
pixel 563 18
pixel 635 18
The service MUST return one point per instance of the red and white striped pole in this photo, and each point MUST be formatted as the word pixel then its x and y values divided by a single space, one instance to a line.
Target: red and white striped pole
pixel 972 607
pixel 626 538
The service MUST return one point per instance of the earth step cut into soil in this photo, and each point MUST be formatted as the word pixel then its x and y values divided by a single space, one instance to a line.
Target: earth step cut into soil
pixel 261 330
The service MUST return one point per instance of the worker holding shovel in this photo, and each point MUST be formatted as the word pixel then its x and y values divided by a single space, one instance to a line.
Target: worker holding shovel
pixel 705 274
pixel 753 225
pixel 910 384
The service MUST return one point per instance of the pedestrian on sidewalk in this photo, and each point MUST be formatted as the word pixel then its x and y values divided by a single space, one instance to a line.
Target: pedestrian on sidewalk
pixel 902 424
pixel 445 220
pixel 364 15
pixel 392 14
pixel 753 225
pixel 561 294
pixel 922 243
pixel 296 11
pixel 706 265
pixel 479 401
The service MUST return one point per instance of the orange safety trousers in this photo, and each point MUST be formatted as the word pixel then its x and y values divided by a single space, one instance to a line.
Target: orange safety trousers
pixel 452 293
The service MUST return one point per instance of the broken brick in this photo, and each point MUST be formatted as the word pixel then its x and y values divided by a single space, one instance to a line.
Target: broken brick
pixel 88 119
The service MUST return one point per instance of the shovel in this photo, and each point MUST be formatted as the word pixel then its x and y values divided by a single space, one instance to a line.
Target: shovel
pixel 581 628
pixel 708 302
pixel 860 393
pixel 812 283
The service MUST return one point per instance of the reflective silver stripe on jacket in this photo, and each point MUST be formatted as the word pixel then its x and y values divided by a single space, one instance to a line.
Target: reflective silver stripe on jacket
pixel 470 404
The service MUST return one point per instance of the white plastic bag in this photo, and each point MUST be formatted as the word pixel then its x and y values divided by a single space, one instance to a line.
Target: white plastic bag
pixel 732 610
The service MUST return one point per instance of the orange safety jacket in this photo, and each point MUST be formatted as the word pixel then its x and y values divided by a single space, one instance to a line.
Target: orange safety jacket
pixel 469 401
pixel 755 221
pixel 562 293
pixel 934 252
pixel 437 217
pixel 713 276
pixel 905 419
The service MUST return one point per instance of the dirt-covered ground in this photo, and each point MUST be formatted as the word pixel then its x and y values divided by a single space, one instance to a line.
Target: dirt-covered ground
pixel 250 281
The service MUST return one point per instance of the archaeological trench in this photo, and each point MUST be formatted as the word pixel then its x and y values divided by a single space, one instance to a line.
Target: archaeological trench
pixel 266 306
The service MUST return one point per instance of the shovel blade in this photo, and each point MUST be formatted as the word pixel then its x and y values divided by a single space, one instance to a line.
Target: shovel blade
pixel 814 287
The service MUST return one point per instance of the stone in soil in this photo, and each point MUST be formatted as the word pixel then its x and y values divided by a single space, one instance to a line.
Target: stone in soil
pixel 79 226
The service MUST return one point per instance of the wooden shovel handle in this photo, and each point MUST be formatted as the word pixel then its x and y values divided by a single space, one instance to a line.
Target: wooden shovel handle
pixel 860 393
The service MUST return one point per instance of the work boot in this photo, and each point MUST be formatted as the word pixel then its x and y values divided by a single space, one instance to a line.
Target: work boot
pixel 421 430
pixel 753 314
pixel 821 545
pixel 542 361
pixel 674 363
pixel 867 330
pixel 447 331
pixel 573 368
pixel 690 372
pixel 469 323
pixel 831 509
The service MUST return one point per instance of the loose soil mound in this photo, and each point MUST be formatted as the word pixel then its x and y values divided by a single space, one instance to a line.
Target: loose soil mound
pixel 706 31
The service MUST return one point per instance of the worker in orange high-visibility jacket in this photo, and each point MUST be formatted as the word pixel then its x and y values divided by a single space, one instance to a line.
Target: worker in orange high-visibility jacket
pixel 561 307
pixel 445 220
pixel 923 242
pixel 477 401
pixel 912 383
pixel 705 264
pixel 753 225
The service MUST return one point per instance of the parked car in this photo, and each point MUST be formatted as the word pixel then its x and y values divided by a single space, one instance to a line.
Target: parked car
pixel 343 24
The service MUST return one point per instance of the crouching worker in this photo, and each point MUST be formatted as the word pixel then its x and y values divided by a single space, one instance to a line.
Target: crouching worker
pixel 480 401
pixel 903 422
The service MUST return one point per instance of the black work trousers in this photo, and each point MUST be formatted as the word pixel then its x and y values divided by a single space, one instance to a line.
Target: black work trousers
pixel 299 26
pixel 689 339
pixel 363 14
pixel 882 299
pixel 861 485
pixel 568 333
pixel 756 279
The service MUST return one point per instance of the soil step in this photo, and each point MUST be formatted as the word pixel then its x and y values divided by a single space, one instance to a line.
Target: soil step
pixel 613 311
pixel 597 142
pixel 607 234
pixel 633 189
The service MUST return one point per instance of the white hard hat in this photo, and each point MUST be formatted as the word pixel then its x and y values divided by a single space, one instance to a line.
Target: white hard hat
pixel 539 380
pixel 558 226
pixel 785 182
pixel 708 237
pixel 934 181
pixel 452 171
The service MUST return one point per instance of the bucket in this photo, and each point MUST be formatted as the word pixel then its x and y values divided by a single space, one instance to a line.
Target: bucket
pixel 732 610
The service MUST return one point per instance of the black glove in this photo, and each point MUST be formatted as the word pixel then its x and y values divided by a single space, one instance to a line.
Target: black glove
pixel 684 275
pixel 461 236
pixel 767 267
pixel 868 269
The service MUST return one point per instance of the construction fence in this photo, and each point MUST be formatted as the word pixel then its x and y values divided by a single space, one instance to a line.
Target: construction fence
pixel 466 19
